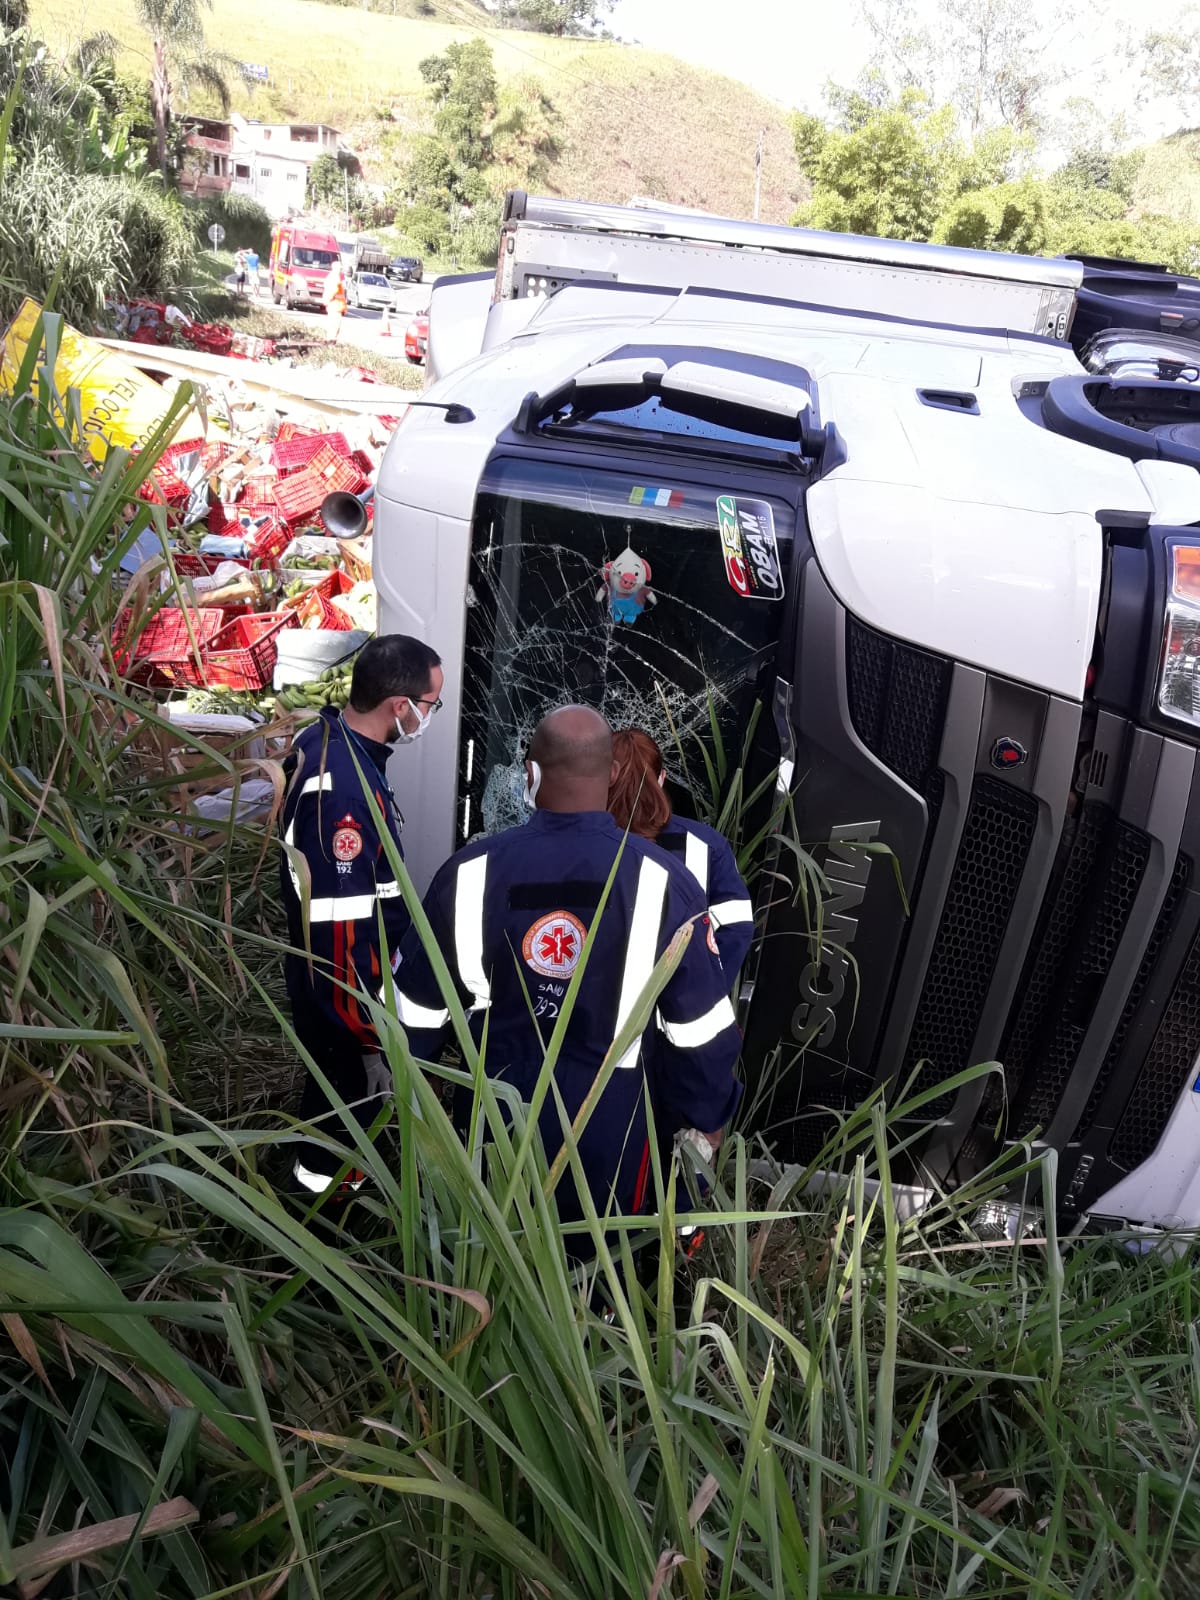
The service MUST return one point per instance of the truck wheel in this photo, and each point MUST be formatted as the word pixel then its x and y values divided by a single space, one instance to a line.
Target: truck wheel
pixel 275 293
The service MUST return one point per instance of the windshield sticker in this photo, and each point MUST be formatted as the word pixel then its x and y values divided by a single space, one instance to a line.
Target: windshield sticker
pixel 749 547
pixel 642 496
pixel 625 585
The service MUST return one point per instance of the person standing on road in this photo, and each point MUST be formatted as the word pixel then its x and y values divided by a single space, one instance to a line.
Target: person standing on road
pixel 329 823
pixel 513 915
pixel 639 802
pixel 252 270
pixel 334 297
pixel 239 271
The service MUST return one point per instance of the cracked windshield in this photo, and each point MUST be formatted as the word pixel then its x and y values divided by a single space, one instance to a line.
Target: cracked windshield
pixel 599 800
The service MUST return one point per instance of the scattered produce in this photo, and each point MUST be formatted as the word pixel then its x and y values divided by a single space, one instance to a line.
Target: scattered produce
pixel 332 688
pixel 313 563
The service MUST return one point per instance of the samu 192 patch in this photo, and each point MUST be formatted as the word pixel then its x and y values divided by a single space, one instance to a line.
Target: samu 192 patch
pixel 554 944
pixel 347 840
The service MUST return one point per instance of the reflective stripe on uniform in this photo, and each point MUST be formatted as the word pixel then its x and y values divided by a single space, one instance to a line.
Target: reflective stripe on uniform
pixel 468 930
pixel 323 783
pixel 642 949
pixel 414 1016
pixel 318 1182
pixel 691 1035
pixel 695 857
pixel 350 907
pixel 341 908
pixel 727 912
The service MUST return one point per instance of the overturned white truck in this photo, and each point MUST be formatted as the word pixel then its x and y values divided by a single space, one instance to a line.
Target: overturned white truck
pixel 946 527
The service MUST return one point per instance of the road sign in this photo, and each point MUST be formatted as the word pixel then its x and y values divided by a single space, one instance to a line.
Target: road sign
pixel 254 72
pixel 216 233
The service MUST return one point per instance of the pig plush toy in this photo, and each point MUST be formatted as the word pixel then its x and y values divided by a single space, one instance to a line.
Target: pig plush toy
pixel 626 586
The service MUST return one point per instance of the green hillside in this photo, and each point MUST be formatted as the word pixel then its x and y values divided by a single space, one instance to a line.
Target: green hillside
pixel 1169 181
pixel 631 121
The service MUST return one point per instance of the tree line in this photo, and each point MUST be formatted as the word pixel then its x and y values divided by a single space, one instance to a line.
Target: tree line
pixel 91 204
pixel 945 137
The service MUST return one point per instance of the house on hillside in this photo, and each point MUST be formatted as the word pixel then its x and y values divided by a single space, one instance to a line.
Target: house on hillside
pixel 207 159
pixel 270 160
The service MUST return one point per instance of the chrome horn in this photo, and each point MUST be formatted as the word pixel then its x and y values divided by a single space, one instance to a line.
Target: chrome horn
pixel 345 515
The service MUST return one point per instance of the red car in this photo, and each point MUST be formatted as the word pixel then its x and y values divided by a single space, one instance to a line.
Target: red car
pixel 416 338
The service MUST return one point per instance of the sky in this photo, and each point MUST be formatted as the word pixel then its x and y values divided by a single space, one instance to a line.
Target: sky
pixel 788 49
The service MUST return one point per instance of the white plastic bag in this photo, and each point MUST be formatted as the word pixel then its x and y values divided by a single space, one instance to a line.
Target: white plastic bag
pixel 305 653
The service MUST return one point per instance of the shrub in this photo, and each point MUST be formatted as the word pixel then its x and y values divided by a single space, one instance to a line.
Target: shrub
pixel 1009 216
pixel 158 236
pixel 247 224
pixel 52 222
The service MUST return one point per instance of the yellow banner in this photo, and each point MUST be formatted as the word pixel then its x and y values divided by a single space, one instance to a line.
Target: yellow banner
pixel 119 404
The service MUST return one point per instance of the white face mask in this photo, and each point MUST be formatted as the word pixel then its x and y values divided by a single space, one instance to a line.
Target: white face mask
pixel 533 782
pixel 401 737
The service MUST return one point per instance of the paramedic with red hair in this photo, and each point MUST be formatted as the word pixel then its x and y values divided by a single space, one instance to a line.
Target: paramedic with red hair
pixel 638 801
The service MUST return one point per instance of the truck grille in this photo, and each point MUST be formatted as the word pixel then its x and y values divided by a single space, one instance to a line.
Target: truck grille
pixel 996 839
pixel 898 701
pixel 1176 1046
pixel 1052 941
pixel 1105 911
pixel 1149 963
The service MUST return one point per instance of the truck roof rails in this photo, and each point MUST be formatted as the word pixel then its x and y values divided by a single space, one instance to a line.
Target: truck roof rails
pixel 546 243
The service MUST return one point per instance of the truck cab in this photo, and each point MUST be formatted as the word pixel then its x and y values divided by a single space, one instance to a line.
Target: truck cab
pixel 301 261
pixel 682 468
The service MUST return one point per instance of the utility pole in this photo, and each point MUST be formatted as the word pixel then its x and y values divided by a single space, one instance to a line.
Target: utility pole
pixel 758 158
pixel 346 189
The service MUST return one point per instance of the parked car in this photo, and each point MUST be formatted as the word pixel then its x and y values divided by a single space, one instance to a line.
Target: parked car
pixel 406 269
pixel 416 338
pixel 371 289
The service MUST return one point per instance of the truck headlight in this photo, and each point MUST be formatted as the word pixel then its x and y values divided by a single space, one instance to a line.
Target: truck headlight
pixel 1179 674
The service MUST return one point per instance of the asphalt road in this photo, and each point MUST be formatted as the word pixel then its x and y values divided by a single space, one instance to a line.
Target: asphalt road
pixel 360 327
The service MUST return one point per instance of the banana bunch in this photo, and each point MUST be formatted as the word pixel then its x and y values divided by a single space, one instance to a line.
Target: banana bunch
pixel 312 563
pixel 222 700
pixel 297 587
pixel 332 688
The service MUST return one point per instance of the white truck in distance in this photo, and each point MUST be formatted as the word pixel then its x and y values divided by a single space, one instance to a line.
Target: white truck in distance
pixel 971 485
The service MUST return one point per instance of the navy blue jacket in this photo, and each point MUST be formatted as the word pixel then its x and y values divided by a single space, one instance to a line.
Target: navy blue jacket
pixel 327 818
pixel 709 858
pixel 510 914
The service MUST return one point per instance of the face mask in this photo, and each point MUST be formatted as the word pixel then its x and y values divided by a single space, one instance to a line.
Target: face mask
pixel 400 737
pixel 533 785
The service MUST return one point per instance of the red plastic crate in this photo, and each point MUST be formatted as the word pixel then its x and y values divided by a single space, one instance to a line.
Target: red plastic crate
pixel 299 497
pixel 362 461
pixel 293 430
pixel 258 494
pixel 292 454
pixel 221 519
pixel 162 652
pixel 190 565
pixel 314 603
pixel 243 654
pixel 212 452
pixel 269 540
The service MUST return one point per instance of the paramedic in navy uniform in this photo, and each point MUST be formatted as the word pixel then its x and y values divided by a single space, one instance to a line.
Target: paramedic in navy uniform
pixel 511 914
pixel 639 802
pixel 394 691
